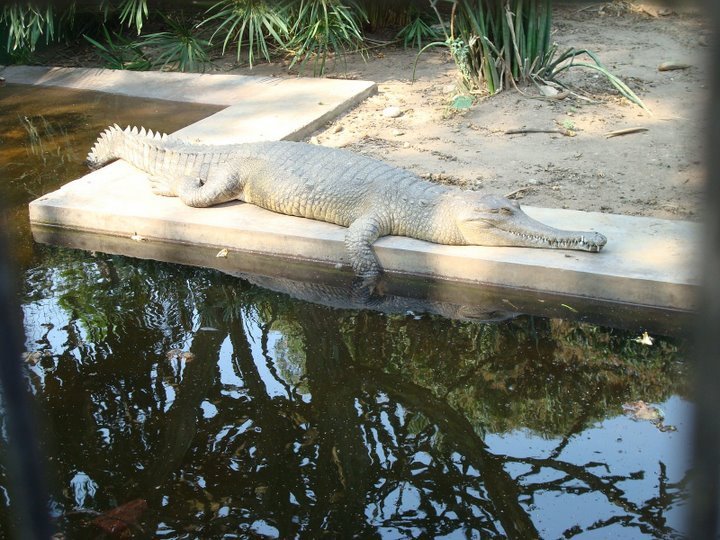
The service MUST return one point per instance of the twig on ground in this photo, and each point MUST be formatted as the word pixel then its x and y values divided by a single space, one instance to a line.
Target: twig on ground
pixel 519 190
pixel 626 131
pixel 524 131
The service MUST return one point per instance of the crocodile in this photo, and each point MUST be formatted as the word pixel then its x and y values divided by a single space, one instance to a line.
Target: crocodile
pixel 368 196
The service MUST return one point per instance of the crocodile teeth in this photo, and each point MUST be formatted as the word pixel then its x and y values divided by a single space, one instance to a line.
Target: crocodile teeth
pixel 135 131
pixel 142 133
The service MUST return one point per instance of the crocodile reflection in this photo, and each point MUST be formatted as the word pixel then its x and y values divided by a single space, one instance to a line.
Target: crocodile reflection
pixel 353 295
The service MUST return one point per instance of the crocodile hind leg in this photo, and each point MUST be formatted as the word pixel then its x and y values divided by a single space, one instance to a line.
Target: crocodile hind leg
pixel 161 186
pixel 222 186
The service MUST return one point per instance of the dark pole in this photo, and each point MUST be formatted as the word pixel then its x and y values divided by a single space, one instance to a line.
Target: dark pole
pixel 28 492
pixel 706 493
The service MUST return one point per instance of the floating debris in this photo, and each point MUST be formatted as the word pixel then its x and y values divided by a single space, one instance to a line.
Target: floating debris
pixel 639 410
pixel 32 358
pixel 222 254
pixel 179 354
pixel 119 520
pixel 645 339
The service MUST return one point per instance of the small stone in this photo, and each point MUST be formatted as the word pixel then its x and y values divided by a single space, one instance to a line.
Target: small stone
pixel 398 133
pixel 392 112
pixel 406 144
pixel 314 140
pixel 548 91
pixel 448 89
pixel 337 128
pixel 532 181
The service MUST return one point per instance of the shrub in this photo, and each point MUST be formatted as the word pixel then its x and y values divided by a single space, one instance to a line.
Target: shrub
pixel 258 23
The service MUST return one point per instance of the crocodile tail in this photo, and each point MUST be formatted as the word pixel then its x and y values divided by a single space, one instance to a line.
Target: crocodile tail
pixel 140 147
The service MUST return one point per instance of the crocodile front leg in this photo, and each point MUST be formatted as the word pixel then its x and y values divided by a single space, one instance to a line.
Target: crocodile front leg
pixel 358 242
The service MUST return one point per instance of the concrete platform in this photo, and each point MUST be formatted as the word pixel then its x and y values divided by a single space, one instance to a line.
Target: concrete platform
pixel 647 262
pixel 258 108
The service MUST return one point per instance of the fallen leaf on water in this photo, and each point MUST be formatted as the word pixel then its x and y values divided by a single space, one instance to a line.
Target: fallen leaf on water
pixel 222 254
pixel 118 520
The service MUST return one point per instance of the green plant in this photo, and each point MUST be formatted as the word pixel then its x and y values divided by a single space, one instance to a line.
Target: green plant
pixel 324 26
pixel 179 45
pixel 500 44
pixel 557 64
pixel 417 30
pixel 122 53
pixel 257 22
pixel 130 12
pixel 26 24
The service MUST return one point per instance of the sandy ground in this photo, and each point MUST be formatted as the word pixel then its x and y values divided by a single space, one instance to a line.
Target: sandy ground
pixel 657 172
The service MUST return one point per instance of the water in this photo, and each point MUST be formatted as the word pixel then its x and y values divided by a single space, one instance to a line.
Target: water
pixel 199 405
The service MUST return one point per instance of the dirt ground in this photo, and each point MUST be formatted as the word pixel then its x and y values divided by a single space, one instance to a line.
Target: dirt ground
pixel 657 172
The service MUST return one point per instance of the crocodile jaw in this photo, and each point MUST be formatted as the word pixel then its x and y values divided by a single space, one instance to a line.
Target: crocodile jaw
pixel 496 221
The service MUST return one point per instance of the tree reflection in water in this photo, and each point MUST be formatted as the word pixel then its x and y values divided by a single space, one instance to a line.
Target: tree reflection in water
pixel 289 419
